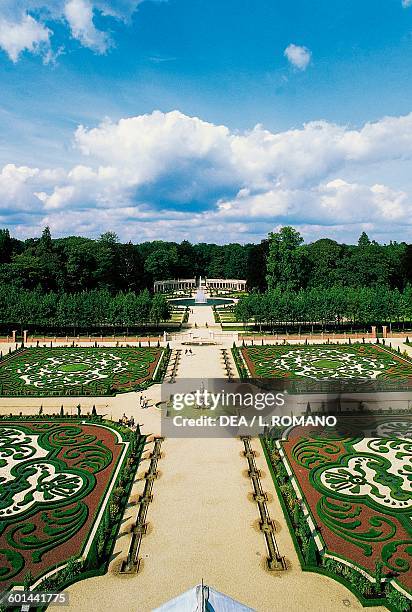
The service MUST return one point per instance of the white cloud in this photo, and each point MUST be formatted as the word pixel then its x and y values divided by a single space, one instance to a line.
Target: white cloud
pixel 26 34
pixel 406 3
pixel 22 23
pixel 299 57
pixel 145 148
pixel 168 175
pixel 79 14
pixel 331 203
pixel 17 186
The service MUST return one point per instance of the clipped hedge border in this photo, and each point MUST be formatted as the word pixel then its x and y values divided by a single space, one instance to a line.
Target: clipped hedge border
pixel 237 358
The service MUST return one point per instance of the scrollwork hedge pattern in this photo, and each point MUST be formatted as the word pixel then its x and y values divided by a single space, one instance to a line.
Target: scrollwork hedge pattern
pixel 53 478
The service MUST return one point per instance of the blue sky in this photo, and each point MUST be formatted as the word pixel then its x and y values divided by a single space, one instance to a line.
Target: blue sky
pixel 204 64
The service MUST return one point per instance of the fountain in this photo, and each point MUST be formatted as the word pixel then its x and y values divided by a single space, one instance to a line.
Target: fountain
pixel 200 297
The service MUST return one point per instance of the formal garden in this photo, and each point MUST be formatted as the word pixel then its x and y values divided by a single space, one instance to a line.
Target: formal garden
pixel 41 371
pixel 224 314
pixel 65 483
pixel 348 502
pixel 317 363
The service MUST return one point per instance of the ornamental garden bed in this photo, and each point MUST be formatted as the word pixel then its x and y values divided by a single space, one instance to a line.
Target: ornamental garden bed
pixel 79 370
pixel 348 501
pixel 314 365
pixel 64 486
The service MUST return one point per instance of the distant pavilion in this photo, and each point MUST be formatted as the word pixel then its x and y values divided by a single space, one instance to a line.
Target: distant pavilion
pixel 189 284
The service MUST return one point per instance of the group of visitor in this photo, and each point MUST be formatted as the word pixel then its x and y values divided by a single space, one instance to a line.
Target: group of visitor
pixel 144 402
pixel 188 351
pixel 127 422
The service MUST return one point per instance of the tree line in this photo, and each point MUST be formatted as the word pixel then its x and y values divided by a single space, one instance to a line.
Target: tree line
pixel 75 264
pixel 327 306
pixel 77 281
pixel 88 309
pixel 293 265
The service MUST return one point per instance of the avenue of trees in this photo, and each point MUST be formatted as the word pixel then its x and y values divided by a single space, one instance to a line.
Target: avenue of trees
pixel 85 310
pixel 81 281
pixel 327 307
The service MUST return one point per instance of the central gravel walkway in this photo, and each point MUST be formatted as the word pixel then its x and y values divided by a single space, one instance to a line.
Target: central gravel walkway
pixel 203 524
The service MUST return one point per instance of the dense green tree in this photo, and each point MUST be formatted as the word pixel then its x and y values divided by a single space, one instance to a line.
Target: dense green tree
pixel 6 246
pixel 160 264
pixel 323 258
pixel 107 268
pixel 367 265
pixel 88 309
pixel 286 261
pixel 216 266
pixel 131 275
pixel 406 264
pixel 38 265
pixel 364 240
pixel 235 261
pixel 256 266
pixel 362 306
pixel 186 266
pixel 74 264
pixel 160 309
pixel 45 244
pixel 79 258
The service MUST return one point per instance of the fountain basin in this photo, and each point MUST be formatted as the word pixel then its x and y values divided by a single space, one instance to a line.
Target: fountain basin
pixel 192 302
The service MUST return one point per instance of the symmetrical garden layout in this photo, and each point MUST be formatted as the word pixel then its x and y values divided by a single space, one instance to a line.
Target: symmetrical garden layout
pixel 57 493
pixel 354 494
pixel 77 370
pixel 327 362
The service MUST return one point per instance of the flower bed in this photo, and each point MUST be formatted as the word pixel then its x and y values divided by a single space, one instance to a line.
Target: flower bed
pixel 78 370
pixel 317 367
pixel 348 501
pixel 64 486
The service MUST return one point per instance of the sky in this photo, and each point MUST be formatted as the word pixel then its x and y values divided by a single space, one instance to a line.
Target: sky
pixel 207 120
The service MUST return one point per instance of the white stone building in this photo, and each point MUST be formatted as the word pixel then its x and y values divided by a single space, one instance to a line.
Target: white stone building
pixel 177 284
pixel 190 284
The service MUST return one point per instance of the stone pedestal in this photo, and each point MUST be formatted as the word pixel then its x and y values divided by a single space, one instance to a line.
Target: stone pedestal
pixel 385 331
pixel 374 331
pixel 25 332
pixel 13 337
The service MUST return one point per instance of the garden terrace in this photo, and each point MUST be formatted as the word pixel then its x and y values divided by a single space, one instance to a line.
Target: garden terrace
pixel 64 487
pixel 80 370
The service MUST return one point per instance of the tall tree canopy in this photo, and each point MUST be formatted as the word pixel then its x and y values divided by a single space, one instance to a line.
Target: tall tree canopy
pixel 286 261
pixel 282 261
